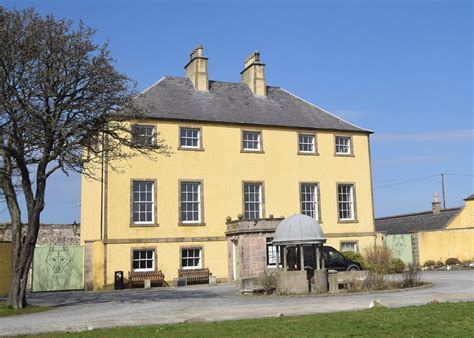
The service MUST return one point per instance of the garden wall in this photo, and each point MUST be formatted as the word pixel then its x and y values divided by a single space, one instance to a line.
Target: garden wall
pixel 443 244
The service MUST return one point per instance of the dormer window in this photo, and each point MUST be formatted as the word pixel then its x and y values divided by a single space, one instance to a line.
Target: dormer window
pixel 143 135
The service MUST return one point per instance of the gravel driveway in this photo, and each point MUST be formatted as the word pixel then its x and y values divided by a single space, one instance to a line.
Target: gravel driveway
pixel 81 310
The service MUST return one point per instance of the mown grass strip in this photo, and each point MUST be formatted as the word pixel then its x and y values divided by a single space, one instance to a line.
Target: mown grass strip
pixel 446 319
pixel 6 311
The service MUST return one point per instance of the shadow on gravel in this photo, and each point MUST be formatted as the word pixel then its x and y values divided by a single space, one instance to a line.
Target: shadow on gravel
pixel 67 298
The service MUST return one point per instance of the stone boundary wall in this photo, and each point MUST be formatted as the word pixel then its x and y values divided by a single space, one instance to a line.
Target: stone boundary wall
pixel 49 234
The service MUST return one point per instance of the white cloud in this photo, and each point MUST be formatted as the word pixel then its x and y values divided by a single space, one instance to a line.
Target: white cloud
pixel 431 136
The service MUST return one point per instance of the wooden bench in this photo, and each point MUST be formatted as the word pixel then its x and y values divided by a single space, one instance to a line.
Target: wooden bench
pixel 195 276
pixel 137 278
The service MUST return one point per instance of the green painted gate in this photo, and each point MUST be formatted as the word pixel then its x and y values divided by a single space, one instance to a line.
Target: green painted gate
pixel 401 247
pixel 58 267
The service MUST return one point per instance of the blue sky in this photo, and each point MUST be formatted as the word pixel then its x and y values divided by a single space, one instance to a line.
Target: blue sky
pixel 400 68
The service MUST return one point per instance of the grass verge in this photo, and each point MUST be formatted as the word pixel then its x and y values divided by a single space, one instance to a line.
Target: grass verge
pixel 444 319
pixel 6 311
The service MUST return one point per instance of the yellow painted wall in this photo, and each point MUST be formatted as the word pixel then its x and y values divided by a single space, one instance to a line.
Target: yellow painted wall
pixel 465 217
pixel 363 242
pixel 6 267
pixel 167 257
pixel 98 264
pixel 222 167
pixel 443 244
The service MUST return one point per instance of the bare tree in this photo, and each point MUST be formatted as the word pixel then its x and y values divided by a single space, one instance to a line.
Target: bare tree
pixel 63 106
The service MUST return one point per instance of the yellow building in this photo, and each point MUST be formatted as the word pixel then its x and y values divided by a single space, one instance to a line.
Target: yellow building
pixel 434 235
pixel 240 150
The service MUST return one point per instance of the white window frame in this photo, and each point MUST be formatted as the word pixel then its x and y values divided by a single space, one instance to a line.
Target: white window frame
pixel 271 253
pixel 145 135
pixel 344 204
pixel 340 147
pixel 256 202
pixel 351 243
pixel 140 251
pixel 186 137
pixel 246 141
pixel 303 142
pixel 192 258
pixel 135 202
pixel 314 199
pixel 182 202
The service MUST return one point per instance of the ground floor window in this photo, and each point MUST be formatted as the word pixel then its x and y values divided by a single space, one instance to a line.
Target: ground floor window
pixel 272 252
pixel 191 258
pixel 349 246
pixel 143 260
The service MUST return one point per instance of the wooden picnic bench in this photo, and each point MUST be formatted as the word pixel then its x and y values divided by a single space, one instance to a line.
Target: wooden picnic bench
pixel 195 276
pixel 137 278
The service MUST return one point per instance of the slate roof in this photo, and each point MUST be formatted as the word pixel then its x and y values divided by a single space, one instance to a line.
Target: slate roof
pixel 408 223
pixel 174 98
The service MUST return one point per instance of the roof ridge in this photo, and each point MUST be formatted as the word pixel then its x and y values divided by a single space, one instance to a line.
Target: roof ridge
pixel 415 213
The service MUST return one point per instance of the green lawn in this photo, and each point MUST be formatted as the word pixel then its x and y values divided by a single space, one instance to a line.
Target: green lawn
pixel 442 320
pixel 6 311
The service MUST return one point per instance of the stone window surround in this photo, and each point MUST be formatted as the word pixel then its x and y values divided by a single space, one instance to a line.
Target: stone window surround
pixel 252 130
pixel 201 193
pixel 201 146
pixel 351 145
pixel 145 248
pixel 306 133
pixel 354 202
pixel 155 202
pixel 355 242
pixel 262 190
pixel 317 184
pixel 186 247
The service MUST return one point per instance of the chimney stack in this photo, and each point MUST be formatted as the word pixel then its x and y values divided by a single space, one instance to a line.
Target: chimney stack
pixel 254 75
pixel 196 69
pixel 436 205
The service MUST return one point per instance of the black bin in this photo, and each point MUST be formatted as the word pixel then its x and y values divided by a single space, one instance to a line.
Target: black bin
pixel 118 280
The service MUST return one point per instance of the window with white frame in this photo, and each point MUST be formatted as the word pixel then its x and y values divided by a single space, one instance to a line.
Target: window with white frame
pixel 191 258
pixel 190 137
pixel 252 200
pixel 143 199
pixel 251 140
pixel 272 252
pixel 143 135
pixel 143 260
pixel 343 145
pixel 345 198
pixel 349 246
pixel 306 143
pixel 190 202
pixel 310 200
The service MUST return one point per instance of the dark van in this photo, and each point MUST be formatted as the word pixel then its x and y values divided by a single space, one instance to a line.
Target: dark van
pixel 334 260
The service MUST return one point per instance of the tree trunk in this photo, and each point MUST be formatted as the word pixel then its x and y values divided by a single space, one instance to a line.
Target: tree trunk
pixel 19 281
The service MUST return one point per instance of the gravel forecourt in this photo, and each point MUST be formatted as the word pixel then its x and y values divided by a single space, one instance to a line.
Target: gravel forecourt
pixel 80 310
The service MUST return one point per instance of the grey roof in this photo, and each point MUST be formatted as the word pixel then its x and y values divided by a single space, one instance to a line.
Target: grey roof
pixel 298 229
pixel 408 223
pixel 469 198
pixel 174 98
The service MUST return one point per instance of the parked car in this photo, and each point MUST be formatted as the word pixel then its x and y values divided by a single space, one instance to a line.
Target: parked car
pixel 334 260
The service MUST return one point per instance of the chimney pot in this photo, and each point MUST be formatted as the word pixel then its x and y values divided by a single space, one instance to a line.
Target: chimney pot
pixel 436 204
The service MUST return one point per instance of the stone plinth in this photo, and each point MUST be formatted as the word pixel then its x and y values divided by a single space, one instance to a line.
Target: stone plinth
pixel 291 282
